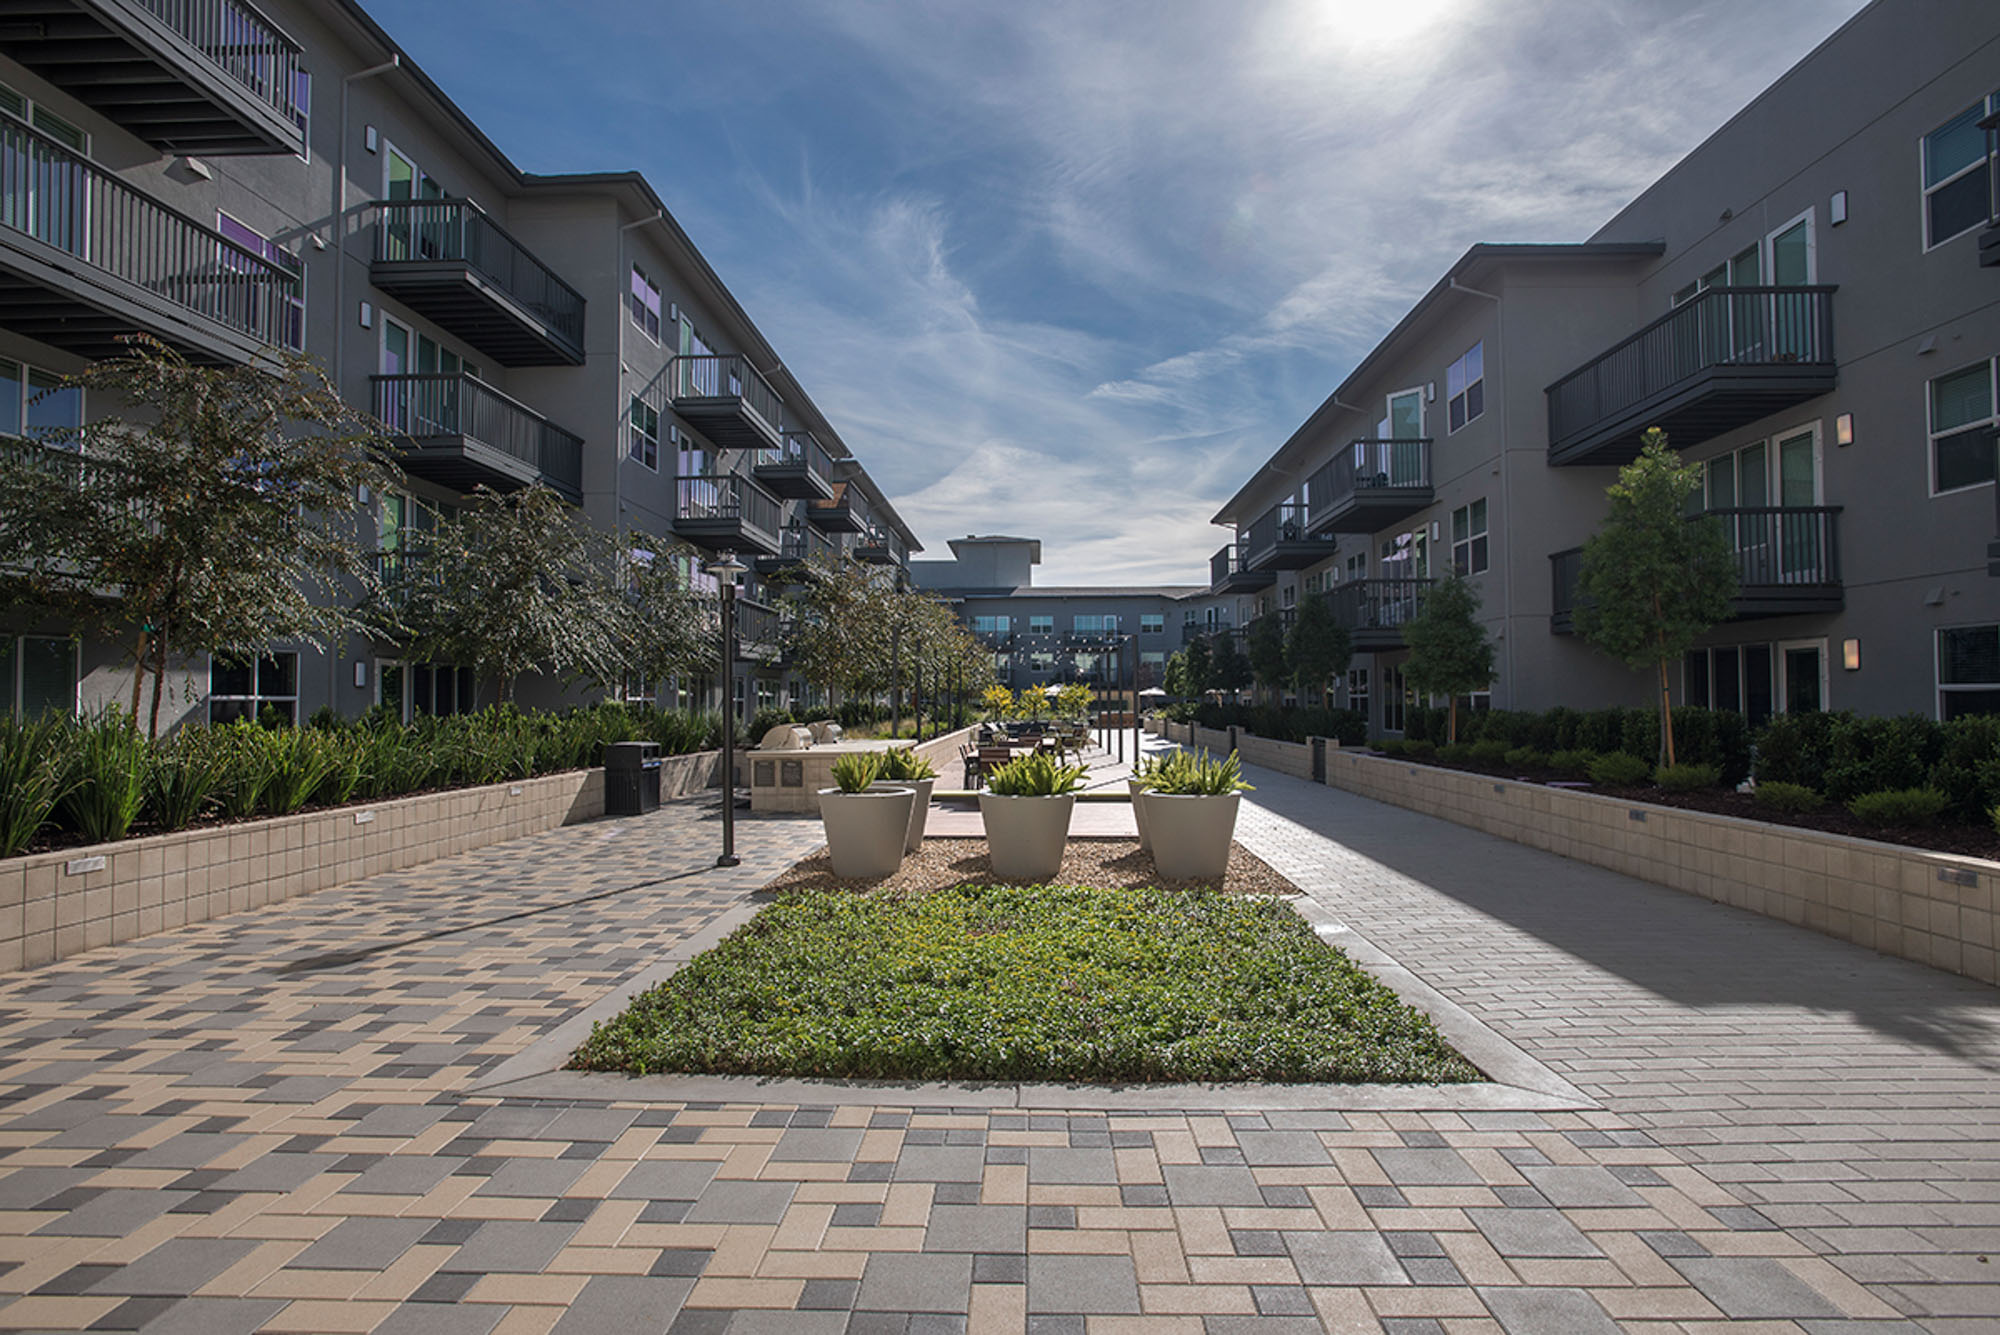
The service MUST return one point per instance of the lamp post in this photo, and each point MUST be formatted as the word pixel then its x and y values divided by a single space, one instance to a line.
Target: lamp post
pixel 726 568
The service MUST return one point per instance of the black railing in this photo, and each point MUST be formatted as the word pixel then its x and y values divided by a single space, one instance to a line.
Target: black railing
pixel 1376 604
pixel 1228 561
pixel 243 44
pixel 1195 630
pixel 801 447
pixel 1367 464
pixel 801 543
pixel 422 406
pixel 726 496
pixel 1282 523
pixel 728 376
pixel 1718 327
pixel 1776 547
pixel 759 629
pixel 64 201
pixel 432 230
pixel 883 540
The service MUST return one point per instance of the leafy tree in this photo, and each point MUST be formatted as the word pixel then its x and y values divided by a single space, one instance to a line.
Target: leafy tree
pixel 1174 680
pixel 1199 667
pixel 513 584
pixel 1317 651
pixel 225 521
pixel 1267 651
pixel 1652 578
pixel 840 637
pixel 1449 652
pixel 1231 671
pixel 668 628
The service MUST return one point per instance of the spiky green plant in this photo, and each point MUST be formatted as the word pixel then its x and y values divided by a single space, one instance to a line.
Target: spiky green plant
pixel 854 773
pixel 902 764
pixel 35 774
pixel 1197 774
pixel 1035 776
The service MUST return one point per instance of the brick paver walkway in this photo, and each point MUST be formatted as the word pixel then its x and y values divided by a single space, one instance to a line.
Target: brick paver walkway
pixel 269 1123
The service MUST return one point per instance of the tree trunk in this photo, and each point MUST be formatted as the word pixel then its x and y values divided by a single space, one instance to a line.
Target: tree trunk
pixel 1451 721
pixel 1666 696
pixel 139 673
pixel 159 685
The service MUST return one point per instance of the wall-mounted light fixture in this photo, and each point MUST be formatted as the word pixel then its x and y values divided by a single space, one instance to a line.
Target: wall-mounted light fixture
pixel 370 139
pixel 1843 429
pixel 1850 655
pixel 367 315
pixel 1836 208
pixel 360 673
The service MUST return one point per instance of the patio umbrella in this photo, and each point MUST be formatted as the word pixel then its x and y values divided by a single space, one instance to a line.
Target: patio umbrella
pixel 1152 691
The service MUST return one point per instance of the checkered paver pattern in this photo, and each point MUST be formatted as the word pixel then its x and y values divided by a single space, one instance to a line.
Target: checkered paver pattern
pixel 270 1122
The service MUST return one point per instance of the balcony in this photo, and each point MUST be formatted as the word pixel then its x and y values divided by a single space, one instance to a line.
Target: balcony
pixel 880 547
pixel 206 78
pixel 1227 572
pixel 837 513
pixel 1370 485
pixel 445 259
pixel 725 511
pixel 1725 358
pixel 86 260
pixel 1195 630
pixel 1374 611
pixel 462 433
pixel 759 632
pixel 797 545
pixel 1787 564
pixel 725 399
pixel 800 469
pixel 1278 541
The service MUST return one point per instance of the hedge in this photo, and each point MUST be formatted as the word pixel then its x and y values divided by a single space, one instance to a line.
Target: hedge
pixel 1291 723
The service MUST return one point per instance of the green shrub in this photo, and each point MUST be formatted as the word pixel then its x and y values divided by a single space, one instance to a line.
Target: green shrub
pixel 853 773
pixel 1968 765
pixel 1618 770
pixel 110 773
pixel 184 776
pixel 1795 748
pixel 902 764
pixel 297 761
pixel 1527 757
pixel 35 775
pixel 1794 798
pixel 1391 746
pixel 1686 778
pixel 766 719
pixel 1457 752
pixel 1418 747
pixel 1196 774
pixel 1899 806
pixel 1872 755
pixel 1574 760
pixel 1490 751
pixel 1035 776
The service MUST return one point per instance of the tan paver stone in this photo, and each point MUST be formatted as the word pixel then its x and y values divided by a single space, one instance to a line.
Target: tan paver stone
pixel 1157 1259
pixel 314 1317
pixel 1242 1270
pixel 717 1291
pixel 405 1274
pixel 1206 1299
pixel 1079 1242
pixel 1344 1311
pixel 997 1309
pixel 813 1265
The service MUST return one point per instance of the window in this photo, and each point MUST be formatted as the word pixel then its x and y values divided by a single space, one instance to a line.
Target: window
pixel 1395 698
pixel 1465 384
pixel 1956 175
pixel 645 304
pixel 1734 677
pixel 1968 671
pixel 291 318
pixel 302 97
pixel 1288 596
pixel 1152 623
pixel 240 689
pixel 1357 565
pixel 1961 421
pixel 1084 624
pixel 1468 538
pixel 39 673
pixel 1045 625
pixel 645 446
pixel 992 625
pixel 36 404
pixel 55 127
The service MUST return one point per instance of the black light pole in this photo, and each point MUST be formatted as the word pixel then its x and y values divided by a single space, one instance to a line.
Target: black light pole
pixel 725 569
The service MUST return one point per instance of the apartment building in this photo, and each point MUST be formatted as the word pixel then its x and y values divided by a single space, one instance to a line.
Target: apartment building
pixel 226 178
pixel 1049 634
pixel 1808 304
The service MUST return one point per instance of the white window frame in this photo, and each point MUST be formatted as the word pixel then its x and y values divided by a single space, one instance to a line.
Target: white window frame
pixel 1466 391
pixel 1986 106
pixel 659 300
pixel 1152 623
pixel 1939 688
pixel 1782 690
pixel 1810 219
pixel 1386 427
pixel 1042 624
pixel 638 435
pixel 256 698
pixel 1471 537
pixel 1930 424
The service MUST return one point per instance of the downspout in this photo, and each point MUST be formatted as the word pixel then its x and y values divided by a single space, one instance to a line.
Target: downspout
pixel 395 61
pixel 1507 566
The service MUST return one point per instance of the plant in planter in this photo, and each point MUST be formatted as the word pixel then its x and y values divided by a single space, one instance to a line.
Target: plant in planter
pixel 1190 802
pixel 902 766
pixel 1142 774
pixel 867 823
pixel 1026 809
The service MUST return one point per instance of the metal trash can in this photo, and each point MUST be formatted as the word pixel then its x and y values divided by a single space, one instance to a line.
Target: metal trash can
pixel 631 778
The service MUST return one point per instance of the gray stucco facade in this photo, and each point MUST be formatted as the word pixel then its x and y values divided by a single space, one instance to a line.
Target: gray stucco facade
pixel 1798 306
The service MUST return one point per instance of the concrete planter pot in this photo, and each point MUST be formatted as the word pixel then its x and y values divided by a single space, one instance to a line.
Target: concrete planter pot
pixel 1191 834
pixel 865 832
pixel 920 811
pixel 1139 815
pixel 1025 835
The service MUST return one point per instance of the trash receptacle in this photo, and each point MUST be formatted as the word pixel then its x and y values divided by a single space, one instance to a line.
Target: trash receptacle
pixel 631 778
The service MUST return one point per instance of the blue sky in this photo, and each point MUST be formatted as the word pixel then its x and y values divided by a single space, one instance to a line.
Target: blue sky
pixel 1073 268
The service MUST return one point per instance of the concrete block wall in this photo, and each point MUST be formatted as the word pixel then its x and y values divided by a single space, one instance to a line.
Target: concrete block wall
pixel 54 905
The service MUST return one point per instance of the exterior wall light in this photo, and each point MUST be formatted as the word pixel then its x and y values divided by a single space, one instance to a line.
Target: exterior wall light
pixel 1850 655
pixel 1843 429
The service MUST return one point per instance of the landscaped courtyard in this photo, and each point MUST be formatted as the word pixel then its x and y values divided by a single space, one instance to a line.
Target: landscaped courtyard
pixel 316 1116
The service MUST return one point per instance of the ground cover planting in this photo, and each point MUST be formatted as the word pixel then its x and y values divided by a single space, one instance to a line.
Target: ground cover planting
pixel 1048 983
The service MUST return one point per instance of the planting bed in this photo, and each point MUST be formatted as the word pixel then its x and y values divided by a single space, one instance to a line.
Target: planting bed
pixel 940 976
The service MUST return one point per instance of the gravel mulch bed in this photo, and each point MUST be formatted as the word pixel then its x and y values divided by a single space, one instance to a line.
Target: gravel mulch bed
pixel 1106 863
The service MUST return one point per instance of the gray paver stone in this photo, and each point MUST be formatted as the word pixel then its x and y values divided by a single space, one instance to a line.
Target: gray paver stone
pixel 1347 1257
pixel 1094 1285
pixel 916 1282
pixel 1548 1311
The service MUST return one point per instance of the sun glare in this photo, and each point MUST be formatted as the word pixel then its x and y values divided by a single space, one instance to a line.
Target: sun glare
pixel 1366 25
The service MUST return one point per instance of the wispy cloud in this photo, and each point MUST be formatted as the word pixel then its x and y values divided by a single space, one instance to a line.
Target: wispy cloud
pixel 1074 270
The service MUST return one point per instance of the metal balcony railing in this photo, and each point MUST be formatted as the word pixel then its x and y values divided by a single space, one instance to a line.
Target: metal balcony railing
pixel 799 544
pixel 1283 525
pixel 759 629
pixel 455 230
pixel 1376 604
pixel 800 447
pixel 1227 561
pixel 243 44
pixel 57 197
pixel 1720 327
pixel 430 406
pixel 726 496
pixel 1786 558
pixel 729 376
pixel 1367 465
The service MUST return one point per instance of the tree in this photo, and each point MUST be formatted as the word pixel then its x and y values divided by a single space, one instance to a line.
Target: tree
pixel 1317 651
pixel 1231 671
pixel 1267 651
pixel 224 523
pixel 1652 578
pixel 668 628
pixel 512 584
pixel 1449 652
pixel 1199 674
pixel 1174 680
pixel 840 637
